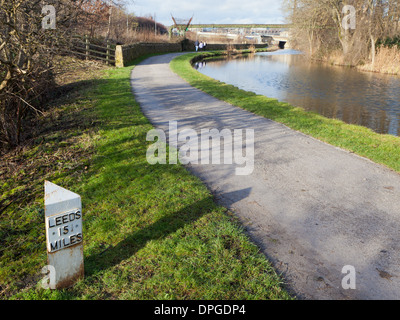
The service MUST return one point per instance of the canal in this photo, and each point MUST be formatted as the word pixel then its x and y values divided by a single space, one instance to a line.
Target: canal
pixel 364 98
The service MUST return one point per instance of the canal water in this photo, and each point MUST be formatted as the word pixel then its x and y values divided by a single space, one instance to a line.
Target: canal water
pixel 363 98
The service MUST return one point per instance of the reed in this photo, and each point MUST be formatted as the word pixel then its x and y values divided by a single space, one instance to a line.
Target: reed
pixel 387 60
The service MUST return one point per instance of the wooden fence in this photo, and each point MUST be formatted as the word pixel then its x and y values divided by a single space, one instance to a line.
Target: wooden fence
pixel 83 46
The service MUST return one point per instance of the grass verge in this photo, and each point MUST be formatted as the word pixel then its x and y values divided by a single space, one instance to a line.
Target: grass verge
pixel 383 149
pixel 150 232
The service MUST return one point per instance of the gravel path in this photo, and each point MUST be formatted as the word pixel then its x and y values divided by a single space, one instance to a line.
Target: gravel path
pixel 312 208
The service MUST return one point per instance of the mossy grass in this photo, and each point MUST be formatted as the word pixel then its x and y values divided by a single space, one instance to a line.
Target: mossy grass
pixel 380 148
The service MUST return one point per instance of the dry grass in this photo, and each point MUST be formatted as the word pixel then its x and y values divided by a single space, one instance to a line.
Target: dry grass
pixel 71 69
pixel 144 36
pixel 252 48
pixel 336 58
pixel 387 61
pixel 209 38
pixel 230 49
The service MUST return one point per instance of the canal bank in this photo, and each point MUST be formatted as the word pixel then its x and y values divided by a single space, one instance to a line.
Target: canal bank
pixel 380 148
pixel 312 208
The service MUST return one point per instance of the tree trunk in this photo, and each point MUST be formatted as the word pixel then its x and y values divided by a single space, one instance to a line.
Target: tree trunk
pixel 373 50
pixel 109 23
pixel 311 42
pixel 346 43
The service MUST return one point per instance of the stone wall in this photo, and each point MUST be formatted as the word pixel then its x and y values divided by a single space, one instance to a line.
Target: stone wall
pixel 128 53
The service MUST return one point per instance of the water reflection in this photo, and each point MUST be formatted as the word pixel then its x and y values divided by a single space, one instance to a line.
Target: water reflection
pixel 363 98
pixel 200 65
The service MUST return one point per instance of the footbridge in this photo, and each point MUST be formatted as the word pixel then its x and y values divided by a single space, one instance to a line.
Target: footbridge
pixel 277 34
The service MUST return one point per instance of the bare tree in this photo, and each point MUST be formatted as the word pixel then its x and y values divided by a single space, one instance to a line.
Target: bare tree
pixel 114 6
pixel 313 24
pixel 315 21
pixel 26 64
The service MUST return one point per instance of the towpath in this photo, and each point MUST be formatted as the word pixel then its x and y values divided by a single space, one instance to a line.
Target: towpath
pixel 312 208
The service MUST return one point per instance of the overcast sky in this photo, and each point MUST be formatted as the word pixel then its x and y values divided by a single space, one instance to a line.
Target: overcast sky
pixel 211 11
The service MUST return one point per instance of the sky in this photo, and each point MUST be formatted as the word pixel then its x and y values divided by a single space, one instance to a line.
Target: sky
pixel 211 11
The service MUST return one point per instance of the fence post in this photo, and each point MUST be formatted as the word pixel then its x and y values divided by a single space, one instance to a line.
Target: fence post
pixel 119 57
pixel 108 52
pixel 87 46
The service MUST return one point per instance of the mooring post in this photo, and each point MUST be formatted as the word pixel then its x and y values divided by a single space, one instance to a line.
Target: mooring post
pixel 63 215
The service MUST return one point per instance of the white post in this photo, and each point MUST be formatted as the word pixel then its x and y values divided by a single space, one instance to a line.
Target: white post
pixel 63 214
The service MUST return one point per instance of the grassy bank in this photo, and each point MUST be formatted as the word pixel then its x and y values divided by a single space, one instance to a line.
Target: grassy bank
pixel 383 149
pixel 150 232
